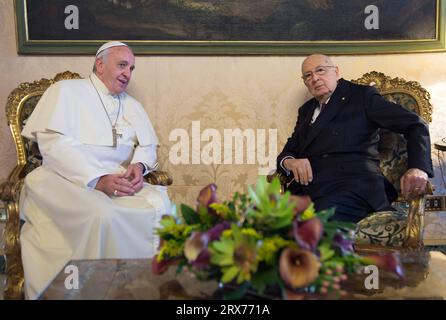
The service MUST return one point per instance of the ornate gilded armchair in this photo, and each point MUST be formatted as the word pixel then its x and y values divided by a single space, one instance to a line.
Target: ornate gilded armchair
pixel 402 228
pixel 20 105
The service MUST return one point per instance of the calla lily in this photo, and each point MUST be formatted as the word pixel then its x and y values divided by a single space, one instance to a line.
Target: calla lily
pixel 342 243
pixel 298 268
pixel 196 243
pixel 159 267
pixel 308 233
pixel 203 259
pixel 207 196
pixel 388 261
pixel 195 248
pixel 302 203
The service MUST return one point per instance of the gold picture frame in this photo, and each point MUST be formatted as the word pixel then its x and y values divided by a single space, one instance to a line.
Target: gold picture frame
pixel 248 27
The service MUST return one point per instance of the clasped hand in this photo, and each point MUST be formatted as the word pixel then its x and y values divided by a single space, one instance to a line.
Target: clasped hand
pixel 122 184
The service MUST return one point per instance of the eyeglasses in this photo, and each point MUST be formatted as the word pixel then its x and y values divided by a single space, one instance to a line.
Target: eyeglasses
pixel 320 71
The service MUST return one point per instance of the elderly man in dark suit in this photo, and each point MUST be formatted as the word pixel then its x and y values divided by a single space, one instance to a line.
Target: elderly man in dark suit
pixel 333 151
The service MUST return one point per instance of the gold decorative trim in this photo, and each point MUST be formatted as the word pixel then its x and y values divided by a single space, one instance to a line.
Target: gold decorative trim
pixel 415 224
pixel 174 47
pixel 10 194
pixel 17 99
pixel 387 85
pixel 284 180
pixel 161 178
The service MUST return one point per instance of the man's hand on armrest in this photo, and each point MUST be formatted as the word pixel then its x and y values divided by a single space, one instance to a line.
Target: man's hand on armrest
pixel 301 169
pixel 413 183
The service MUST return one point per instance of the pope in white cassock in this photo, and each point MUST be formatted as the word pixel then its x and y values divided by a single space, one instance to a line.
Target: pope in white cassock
pixel 88 200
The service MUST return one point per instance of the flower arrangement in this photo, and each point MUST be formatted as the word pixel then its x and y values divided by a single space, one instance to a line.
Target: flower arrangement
pixel 261 239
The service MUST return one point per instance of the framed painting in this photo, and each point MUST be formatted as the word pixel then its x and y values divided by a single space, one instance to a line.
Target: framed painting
pixel 232 27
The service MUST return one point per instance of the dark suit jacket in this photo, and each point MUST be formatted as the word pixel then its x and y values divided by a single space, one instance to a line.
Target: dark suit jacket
pixel 342 144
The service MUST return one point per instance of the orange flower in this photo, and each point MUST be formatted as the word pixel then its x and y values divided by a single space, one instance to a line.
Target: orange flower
pixel 298 268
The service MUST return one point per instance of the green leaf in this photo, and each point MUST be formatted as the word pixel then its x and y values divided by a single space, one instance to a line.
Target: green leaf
pixel 253 196
pixel 206 219
pixel 237 234
pixel 167 222
pixel 242 277
pixel 309 212
pixel 283 222
pixel 189 215
pixel 224 246
pixel 275 186
pixel 229 274
pixel 221 209
pixel 325 251
pixel 222 260
pixel 264 278
pixel 262 185
pixel 324 215
pixel 234 292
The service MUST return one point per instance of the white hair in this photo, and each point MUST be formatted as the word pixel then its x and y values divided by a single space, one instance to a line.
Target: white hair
pixel 103 55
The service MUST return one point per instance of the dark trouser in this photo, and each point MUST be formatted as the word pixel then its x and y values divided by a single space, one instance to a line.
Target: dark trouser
pixel 349 206
pixel 343 194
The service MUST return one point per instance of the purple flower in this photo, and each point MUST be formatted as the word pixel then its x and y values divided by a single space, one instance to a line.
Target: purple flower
pixel 216 231
pixel 308 233
pixel 345 245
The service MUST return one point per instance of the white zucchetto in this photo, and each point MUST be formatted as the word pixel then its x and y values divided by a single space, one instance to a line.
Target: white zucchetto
pixel 109 45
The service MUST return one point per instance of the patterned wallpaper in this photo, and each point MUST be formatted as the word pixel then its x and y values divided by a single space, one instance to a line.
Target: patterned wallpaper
pixel 194 101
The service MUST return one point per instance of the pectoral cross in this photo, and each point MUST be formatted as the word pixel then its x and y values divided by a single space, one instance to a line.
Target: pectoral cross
pixel 116 135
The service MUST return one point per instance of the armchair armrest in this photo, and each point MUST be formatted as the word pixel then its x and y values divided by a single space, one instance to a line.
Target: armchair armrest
pixel 396 230
pixel 284 180
pixel 161 178
pixel 415 220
